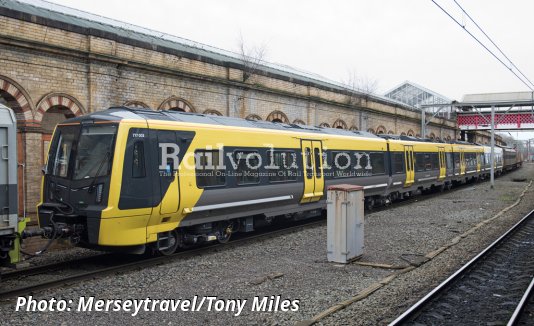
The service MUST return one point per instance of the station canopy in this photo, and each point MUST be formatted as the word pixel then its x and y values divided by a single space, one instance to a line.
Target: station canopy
pixel 418 96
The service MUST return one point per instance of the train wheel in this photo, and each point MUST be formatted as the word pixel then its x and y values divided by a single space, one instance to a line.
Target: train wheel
pixel 172 244
pixel 225 233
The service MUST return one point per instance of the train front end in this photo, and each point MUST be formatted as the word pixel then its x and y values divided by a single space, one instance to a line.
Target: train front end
pixel 77 180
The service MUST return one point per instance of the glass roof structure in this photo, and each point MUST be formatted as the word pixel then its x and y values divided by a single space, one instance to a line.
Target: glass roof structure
pixel 415 95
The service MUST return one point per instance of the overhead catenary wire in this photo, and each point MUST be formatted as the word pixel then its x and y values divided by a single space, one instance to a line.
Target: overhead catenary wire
pixel 483 45
pixel 492 42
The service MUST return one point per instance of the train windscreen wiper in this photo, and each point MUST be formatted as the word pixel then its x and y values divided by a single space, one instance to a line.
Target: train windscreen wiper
pixel 104 160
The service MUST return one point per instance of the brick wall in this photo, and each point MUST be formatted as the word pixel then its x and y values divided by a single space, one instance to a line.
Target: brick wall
pixel 43 64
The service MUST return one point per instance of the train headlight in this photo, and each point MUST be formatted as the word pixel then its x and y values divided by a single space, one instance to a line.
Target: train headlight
pixel 99 190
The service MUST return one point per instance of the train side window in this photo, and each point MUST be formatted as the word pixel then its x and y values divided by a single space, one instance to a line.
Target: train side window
pixel 377 163
pixel 448 158
pixel 434 161
pixel 248 167
pixel 398 162
pixel 138 162
pixel 208 173
pixel 308 163
pixel 419 162
pixel 286 166
pixel 456 160
pixel 318 162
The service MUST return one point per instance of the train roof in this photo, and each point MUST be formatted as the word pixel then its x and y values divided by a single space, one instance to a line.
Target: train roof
pixel 120 113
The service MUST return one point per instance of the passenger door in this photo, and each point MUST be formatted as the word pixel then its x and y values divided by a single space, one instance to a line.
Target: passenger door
pixel 409 163
pixel 312 162
pixel 462 162
pixel 442 165
pixel 168 176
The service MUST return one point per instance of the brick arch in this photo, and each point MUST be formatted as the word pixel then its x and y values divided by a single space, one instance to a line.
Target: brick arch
pixel 353 128
pixel 418 135
pixel 136 104
pixel 253 117
pixel 381 130
pixel 390 132
pixel 449 138
pixel 58 100
pixel 21 104
pixel 212 112
pixel 371 130
pixel 324 125
pixel 298 122
pixel 176 104
pixel 410 133
pixel 432 136
pixel 277 116
pixel 339 124
pixel 403 133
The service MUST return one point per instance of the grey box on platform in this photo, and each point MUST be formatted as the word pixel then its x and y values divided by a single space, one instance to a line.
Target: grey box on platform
pixel 345 223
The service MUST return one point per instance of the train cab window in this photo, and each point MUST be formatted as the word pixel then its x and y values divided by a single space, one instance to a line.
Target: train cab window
pixel 377 163
pixel 419 162
pixel 248 167
pixel 318 162
pixel 342 164
pixel 308 163
pixel 208 172
pixel 285 166
pixel 138 162
pixel 397 161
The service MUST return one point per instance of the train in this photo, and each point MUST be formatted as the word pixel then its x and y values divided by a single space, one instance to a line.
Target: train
pixel 10 224
pixel 135 180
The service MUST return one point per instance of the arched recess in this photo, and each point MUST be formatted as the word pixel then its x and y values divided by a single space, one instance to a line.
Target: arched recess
pixel 298 122
pixel 403 133
pixel 56 107
pixel 410 133
pixel 212 112
pixel 16 98
pixel 339 124
pixel 52 109
pixel 136 104
pixel 277 116
pixel 418 135
pixel 353 128
pixel 174 103
pixel 432 136
pixel 380 130
pixel 253 117
pixel 448 138
pixel 324 125
pixel 371 130
pixel 438 139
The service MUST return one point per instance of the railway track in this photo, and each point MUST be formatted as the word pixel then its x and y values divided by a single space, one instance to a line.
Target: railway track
pixel 71 271
pixel 20 283
pixel 488 290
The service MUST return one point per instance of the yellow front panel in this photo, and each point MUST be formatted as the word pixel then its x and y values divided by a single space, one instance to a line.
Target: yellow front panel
pixel 123 231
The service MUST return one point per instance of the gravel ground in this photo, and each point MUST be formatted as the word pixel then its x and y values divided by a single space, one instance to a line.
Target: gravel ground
pixel 294 267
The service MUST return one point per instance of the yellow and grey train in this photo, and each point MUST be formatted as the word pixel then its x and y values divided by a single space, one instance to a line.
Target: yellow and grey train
pixel 129 178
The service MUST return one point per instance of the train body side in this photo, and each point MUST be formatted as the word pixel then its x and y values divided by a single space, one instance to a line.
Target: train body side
pixel 8 185
pixel 156 177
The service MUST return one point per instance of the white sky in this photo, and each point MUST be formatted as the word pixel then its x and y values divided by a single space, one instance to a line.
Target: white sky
pixel 388 41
